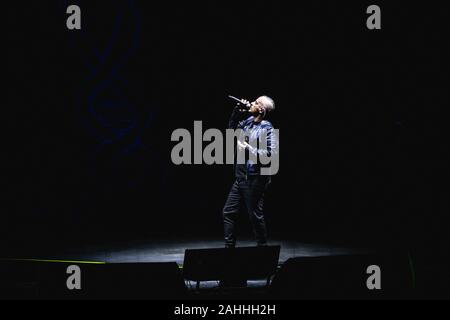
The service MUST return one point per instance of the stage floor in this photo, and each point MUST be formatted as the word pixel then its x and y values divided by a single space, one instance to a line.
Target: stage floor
pixel 173 251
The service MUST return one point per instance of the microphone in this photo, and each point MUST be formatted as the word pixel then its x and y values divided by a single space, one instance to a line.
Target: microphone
pixel 241 102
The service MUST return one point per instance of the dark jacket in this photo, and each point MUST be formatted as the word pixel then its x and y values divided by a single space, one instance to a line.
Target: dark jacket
pixel 253 130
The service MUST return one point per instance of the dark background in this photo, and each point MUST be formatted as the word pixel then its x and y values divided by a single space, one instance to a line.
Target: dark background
pixel 363 134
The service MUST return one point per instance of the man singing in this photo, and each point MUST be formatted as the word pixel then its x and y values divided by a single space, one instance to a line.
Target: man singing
pixel 251 180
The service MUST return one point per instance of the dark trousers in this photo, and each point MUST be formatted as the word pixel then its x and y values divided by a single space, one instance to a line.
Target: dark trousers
pixel 251 192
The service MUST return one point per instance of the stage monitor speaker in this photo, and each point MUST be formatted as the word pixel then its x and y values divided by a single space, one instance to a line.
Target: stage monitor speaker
pixel 245 263
pixel 344 277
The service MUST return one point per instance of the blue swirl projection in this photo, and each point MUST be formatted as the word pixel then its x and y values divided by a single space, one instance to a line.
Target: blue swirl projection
pixel 104 106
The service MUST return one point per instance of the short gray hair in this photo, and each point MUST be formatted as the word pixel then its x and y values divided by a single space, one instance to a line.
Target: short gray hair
pixel 270 105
